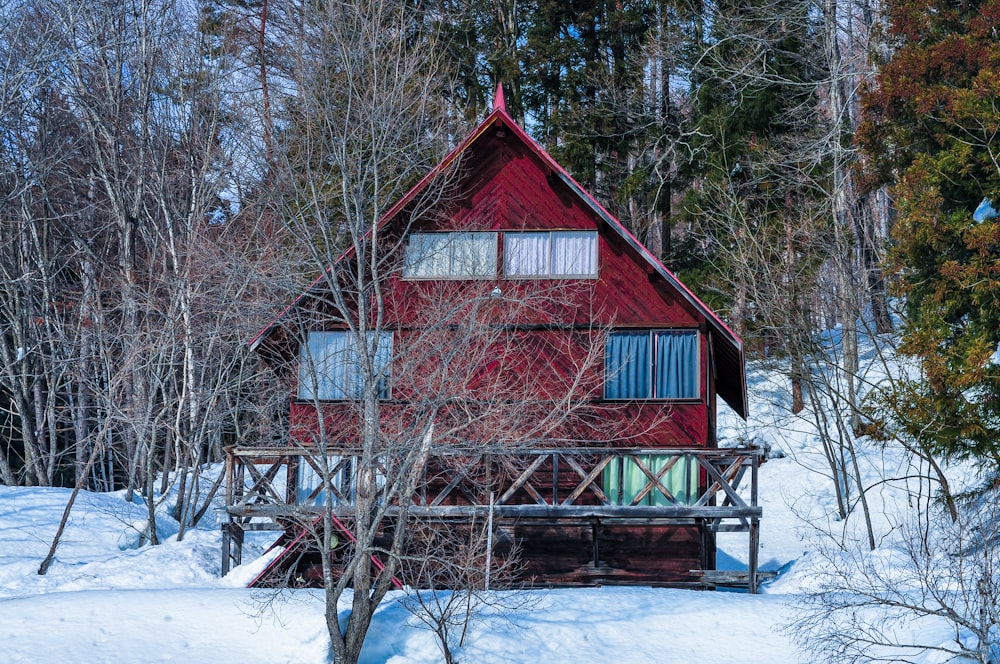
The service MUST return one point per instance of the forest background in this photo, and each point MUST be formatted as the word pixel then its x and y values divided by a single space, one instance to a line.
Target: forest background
pixel 803 165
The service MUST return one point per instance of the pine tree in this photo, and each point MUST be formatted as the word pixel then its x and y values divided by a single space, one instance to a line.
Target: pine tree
pixel 932 132
pixel 758 204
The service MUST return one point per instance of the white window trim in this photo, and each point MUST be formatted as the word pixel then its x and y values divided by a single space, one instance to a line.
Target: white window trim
pixel 407 268
pixel 551 257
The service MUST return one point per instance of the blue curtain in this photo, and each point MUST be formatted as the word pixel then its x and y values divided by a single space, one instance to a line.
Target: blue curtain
pixel 677 364
pixel 627 366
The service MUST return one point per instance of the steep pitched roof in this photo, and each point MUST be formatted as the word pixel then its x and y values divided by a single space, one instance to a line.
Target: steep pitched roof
pixel 727 347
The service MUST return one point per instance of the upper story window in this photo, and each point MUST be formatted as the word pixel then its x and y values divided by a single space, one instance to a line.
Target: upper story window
pixel 652 364
pixel 550 254
pixel 470 255
pixel 330 367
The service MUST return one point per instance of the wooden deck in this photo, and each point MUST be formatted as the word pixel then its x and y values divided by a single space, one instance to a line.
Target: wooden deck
pixel 551 493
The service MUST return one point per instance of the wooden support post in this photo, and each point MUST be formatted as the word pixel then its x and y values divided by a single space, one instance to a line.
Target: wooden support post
pixel 238 537
pixel 489 546
pixel 754 525
pixel 555 478
pixel 703 544
pixel 226 542
pixel 595 527
pixel 232 545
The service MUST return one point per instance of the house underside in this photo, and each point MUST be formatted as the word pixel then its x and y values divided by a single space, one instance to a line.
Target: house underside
pixel 574 517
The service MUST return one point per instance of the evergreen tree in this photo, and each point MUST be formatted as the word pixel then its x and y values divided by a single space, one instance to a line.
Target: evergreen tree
pixel 612 78
pixel 758 204
pixel 755 205
pixel 484 40
pixel 931 130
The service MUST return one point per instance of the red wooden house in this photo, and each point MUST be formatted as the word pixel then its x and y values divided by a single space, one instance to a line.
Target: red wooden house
pixel 627 485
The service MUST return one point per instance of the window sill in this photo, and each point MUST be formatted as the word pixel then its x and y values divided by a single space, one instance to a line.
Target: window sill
pixel 451 277
pixel 550 277
pixel 685 400
pixel 310 402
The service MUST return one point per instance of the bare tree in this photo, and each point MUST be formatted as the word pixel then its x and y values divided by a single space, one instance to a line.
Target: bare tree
pixel 365 123
pixel 130 283
pixel 369 119
pixel 936 590
pixel 31 258
pixel 459 580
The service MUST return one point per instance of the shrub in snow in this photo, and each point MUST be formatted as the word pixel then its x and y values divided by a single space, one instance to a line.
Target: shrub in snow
pixel 930 597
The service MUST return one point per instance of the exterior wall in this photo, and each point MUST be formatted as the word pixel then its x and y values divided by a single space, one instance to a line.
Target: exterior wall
pixel 505 187
pixel 520 196
pixel 513 192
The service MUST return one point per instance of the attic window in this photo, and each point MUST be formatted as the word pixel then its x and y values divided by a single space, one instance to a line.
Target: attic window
pixel 330 367
pixel 457 255
pixel 652 364
pixel 543 254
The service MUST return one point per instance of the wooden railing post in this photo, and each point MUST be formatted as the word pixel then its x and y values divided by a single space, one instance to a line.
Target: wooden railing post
pixel 531 492
pixel 292 479
pixel 555 478
pixel 230 488
pixel 754 525
pixel 621 480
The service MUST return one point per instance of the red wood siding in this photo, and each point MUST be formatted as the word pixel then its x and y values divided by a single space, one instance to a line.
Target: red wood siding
pixel 521 374
pixel 520 196
pixel 620 425
pixel 521 351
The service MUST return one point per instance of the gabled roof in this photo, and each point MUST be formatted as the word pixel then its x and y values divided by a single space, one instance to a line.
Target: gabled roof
pixel 727 347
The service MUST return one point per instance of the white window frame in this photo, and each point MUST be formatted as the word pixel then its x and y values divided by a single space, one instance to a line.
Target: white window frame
pixel 550 269
pixel 418 263
pixel 329 353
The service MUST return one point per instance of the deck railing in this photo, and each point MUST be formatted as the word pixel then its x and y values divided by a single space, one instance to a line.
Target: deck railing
pixel 268 488
pixel 267 482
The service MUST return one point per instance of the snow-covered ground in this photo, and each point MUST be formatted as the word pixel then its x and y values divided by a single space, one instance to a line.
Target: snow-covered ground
pixel 105 599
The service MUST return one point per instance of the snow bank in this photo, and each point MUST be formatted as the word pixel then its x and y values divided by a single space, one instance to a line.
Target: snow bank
pixel 107 600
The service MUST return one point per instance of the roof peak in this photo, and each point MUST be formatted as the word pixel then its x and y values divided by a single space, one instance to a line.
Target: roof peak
pixel 499 101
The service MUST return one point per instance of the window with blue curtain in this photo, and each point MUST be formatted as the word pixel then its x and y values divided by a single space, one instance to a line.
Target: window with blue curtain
pixel 330 367
pixel 652 364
